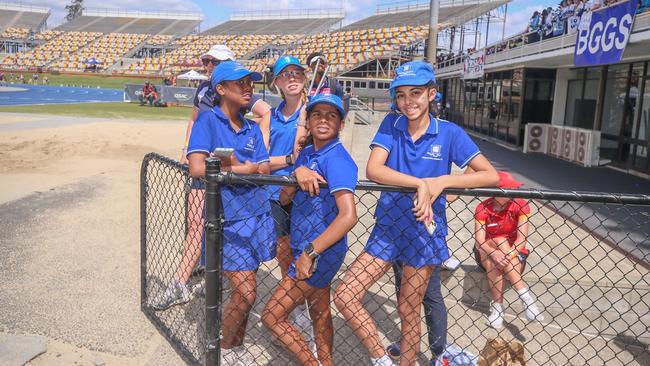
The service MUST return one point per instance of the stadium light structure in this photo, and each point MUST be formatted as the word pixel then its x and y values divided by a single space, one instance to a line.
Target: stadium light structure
pixel 432 43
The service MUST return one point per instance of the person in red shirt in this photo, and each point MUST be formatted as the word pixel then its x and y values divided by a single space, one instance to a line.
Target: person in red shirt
pixel 501 230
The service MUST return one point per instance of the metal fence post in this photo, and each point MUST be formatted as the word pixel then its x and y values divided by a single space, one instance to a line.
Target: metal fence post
pixel 213 254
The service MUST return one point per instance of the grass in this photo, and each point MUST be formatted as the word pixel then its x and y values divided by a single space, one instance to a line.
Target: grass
pixel 118 110
pixel 102 81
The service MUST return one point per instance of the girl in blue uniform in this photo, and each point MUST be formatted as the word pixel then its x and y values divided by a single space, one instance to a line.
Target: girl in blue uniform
pixel 249 235
pixel 413 150
pixel 321 219
pixel 286 119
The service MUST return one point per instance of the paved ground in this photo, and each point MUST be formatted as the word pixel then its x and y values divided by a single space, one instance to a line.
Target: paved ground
pixel 70 272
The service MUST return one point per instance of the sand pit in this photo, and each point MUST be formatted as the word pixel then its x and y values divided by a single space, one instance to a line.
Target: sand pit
pixel 69 238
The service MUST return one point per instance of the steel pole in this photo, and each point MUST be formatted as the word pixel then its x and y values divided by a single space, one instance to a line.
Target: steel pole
pixel 432 43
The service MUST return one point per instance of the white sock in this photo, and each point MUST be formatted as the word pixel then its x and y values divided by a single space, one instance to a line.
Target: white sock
pixel 524 295
pixel 496 306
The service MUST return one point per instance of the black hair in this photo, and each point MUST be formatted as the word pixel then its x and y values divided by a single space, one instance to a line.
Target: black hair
pixel 314 55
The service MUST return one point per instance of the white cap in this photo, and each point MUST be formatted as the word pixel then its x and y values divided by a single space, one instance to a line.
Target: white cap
pixel 221 52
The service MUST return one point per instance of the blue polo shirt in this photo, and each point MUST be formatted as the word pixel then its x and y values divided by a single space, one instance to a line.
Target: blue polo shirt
pixel 430 156
pixel 310 216
pixel 212 130
pixel 283 136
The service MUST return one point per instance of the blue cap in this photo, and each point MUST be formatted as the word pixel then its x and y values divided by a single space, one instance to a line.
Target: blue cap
pixel 231 70
pixel 283 62
pixel 331 99
pixel 412 73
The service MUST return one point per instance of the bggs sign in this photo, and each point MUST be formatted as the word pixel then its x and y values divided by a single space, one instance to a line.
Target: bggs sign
pixel 603 34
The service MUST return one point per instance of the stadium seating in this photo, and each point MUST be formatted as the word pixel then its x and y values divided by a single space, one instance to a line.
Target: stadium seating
pixel 66 43
pixel 107 49
pixel 14 33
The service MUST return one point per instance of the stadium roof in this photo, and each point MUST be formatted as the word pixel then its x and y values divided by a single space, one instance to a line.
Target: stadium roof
pixel 452 12
pixel 121 21
pixel 23 16
pixel 305 21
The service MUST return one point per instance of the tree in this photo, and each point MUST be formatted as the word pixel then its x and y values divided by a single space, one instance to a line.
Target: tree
pixel 75 9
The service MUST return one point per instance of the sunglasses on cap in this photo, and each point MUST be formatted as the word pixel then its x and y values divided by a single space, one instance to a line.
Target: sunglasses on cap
pixel 207 61
pixel 288 74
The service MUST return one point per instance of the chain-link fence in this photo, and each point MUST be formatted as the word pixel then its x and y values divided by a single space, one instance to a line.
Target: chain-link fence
pixel 586 265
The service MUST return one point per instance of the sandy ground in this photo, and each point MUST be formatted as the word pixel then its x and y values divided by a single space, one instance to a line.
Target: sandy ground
pixel 69 234
pixel 69 243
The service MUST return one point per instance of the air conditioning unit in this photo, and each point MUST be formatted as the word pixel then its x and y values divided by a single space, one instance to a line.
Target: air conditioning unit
pixel 568 146
pixel 587 151
pixel 555 140
pixel 536 138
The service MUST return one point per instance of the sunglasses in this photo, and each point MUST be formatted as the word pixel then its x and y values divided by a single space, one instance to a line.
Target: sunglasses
pixel 207 61
pixel 296 74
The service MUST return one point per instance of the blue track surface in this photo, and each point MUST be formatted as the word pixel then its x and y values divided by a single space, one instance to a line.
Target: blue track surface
pixel 37 94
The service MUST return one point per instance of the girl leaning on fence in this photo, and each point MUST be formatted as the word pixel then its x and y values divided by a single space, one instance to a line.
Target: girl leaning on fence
pixel 249 236
pixel 320 221
pixel 413 150
pixel 177 292
pixel 284 129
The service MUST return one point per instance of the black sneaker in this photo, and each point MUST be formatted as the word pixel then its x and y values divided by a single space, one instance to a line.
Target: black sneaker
pixel 393 351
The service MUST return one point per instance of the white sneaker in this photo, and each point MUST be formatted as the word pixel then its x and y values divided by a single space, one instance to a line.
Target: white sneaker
pixel 175 294
pixel 305 325
pixel 495 319
pixel 384 360
pixel 532 312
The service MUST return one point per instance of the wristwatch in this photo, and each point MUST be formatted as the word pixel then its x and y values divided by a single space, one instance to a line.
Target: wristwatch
pixel 289 159
pixel 309 250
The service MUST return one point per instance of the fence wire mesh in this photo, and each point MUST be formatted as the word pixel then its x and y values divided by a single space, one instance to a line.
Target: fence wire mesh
pixel 587 270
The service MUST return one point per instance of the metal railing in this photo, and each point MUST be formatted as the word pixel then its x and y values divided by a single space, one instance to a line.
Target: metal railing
pixel 587 268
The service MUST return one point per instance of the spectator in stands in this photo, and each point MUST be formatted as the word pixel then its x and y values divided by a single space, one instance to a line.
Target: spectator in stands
pixel 149 94
pixel 328 85
pixel 501 231
pixel 533 27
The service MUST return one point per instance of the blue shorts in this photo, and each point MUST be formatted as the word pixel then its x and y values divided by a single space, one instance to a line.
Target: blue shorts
pixel 328 264
pixel 415 247
pixel 197 183
pixel 281 217
pixel 248 242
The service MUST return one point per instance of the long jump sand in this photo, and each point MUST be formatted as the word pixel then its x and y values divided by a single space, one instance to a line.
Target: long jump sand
pixel 69 237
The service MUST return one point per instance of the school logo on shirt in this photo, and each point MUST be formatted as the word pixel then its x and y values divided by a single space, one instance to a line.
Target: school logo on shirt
pixel 250 145
pixel 434 152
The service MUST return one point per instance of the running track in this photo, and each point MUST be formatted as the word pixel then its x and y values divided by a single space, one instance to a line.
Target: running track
pixel 45 94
